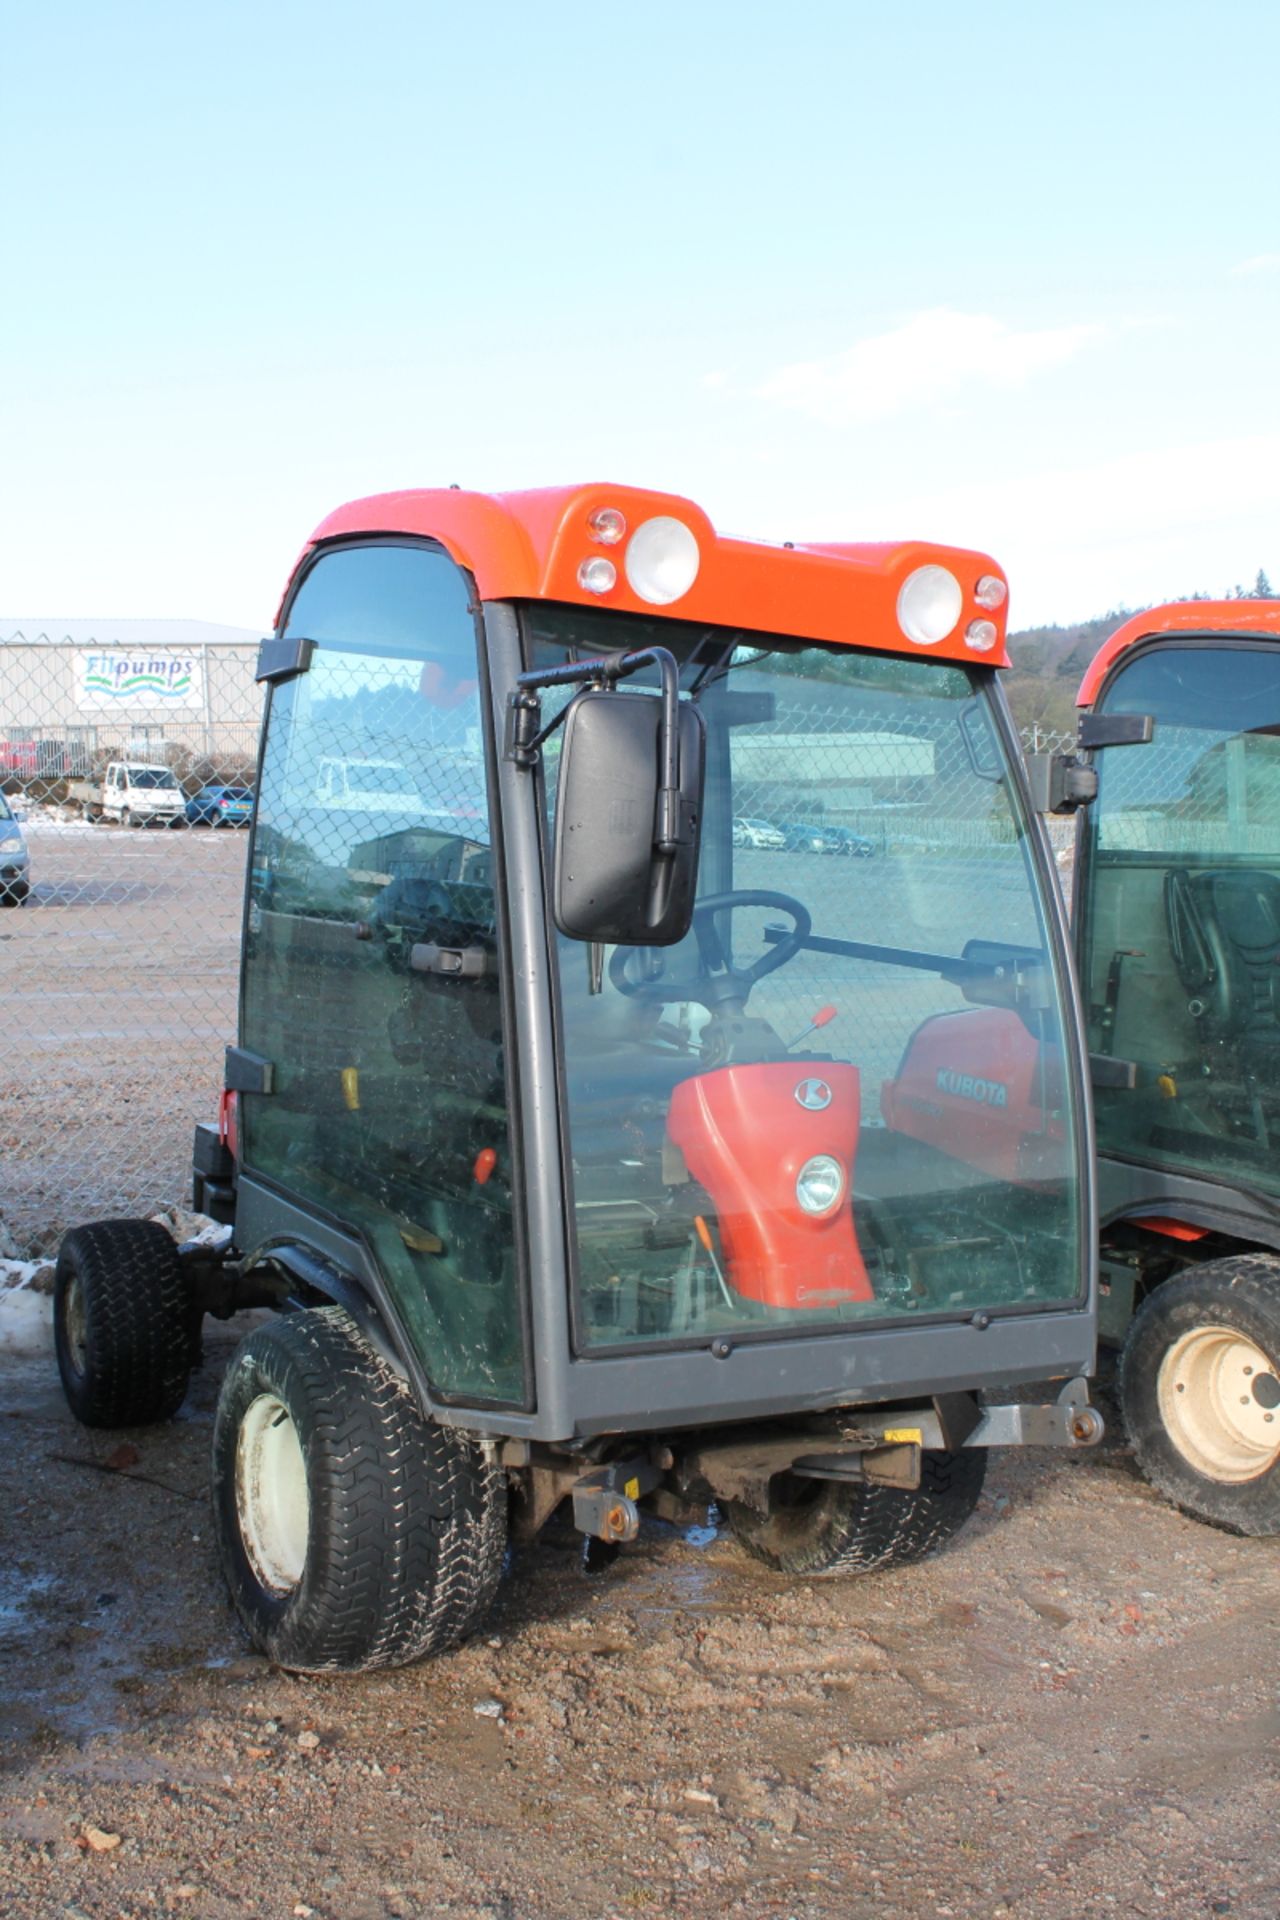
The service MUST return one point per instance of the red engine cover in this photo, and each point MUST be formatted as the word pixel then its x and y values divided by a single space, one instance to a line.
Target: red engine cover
pixel 745 1135
pixel 975 1086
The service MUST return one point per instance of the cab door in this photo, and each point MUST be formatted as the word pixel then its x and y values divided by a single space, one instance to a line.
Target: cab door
pixel 373 962
pixel 1178 913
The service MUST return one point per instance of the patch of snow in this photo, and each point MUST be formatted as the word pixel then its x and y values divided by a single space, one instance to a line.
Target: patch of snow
pixel 56 823
pixel 26 1318
pixel 18 1273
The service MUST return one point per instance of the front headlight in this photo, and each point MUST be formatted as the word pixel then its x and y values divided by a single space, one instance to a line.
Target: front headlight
pixel 820 1184
pixel 930 602
pixel 662 560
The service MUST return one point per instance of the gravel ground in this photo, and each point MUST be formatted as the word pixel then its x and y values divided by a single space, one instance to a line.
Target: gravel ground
pixel 1072 1712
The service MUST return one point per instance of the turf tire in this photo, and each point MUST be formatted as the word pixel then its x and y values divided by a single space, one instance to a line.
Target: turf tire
pixel 824 1529
pixel 122 1321
pixel 1242 1295
pixel 405 1522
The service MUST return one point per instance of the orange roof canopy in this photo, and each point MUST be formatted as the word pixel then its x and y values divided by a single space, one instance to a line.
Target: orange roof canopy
pixel 1209 617
pixel 530 546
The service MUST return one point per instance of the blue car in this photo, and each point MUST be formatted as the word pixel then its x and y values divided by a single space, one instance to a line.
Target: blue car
pixel 843 840
pixel 15 874
pixel 220 807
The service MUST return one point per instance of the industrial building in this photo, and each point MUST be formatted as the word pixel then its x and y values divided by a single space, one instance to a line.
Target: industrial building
pixel 73 692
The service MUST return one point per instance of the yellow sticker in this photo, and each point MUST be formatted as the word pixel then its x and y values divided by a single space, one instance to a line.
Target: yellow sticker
pixel 632 1489
pixel 902 1436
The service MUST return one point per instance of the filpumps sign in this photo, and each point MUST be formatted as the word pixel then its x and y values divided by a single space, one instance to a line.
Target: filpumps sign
pixel 151 679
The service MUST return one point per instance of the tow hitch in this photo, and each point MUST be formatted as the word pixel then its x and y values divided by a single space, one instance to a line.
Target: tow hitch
pixel 884 1448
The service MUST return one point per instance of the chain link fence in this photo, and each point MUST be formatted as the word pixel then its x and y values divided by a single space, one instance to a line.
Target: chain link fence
pixel 126 782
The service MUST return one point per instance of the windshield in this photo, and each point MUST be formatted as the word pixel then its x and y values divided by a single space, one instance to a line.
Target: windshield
pixel 841 1097
pixel 151 777
pixel 1180 913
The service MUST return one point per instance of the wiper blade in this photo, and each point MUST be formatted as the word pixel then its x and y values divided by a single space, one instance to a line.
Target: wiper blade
pixel 712 672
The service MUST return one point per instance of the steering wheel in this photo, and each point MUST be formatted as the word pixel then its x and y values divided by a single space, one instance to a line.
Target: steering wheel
pixel 716 981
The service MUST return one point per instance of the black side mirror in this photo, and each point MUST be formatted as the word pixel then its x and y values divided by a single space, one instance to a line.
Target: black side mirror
pixel 1063 782
pixel 627 842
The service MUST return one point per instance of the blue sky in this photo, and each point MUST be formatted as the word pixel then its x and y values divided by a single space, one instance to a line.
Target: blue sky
pixel 1003 274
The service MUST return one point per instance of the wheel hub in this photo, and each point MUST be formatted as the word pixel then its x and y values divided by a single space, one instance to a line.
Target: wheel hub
pixel 273 1505
pixel 74 1325
pixel 1218 1396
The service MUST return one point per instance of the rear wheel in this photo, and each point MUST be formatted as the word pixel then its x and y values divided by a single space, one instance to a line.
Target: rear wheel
pixel 353 1533
pixel 122 1321
pixel 1200 1392
pixel 821 1529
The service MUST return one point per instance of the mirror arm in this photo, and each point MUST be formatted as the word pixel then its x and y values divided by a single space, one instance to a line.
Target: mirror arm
pixel 525 737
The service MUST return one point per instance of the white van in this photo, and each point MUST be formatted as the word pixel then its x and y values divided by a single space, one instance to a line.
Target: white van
pixel 132 792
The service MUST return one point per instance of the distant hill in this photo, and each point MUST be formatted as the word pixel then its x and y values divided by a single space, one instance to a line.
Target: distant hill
pixel 1048 666
pixel 1049 662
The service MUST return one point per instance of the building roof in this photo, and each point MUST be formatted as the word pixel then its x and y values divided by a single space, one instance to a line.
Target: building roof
pixel 125 634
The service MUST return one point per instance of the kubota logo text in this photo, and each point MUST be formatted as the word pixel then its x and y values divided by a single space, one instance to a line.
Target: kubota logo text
pixel 967 1086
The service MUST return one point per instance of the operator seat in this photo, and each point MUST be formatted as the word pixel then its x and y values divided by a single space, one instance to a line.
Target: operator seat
pixel 1224 935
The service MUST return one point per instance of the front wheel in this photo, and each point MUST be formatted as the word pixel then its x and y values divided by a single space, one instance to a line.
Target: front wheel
pixel 353 1533
pixel 822 1529
pixel 1200 1392
pixel 123 1324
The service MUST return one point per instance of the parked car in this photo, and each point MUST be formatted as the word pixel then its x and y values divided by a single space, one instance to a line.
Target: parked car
pixel 806 836
pixel 220 806
pixel 758 833
pixel 15 861
pixel 816 836
pixel 845 840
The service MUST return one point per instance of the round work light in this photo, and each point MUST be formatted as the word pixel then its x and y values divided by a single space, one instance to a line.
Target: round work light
pixel 820 1183
pixel 597 575
pixel 991 592
pixel 981 635
pixel 929 604
pixel 662 560
pixel 607 526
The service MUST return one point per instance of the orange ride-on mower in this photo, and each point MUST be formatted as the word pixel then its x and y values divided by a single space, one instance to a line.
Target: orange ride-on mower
pixel 598 1138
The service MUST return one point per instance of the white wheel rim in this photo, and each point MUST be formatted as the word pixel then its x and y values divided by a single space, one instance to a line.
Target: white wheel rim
pixel 273 1505
pixel 1217 1393
pixel 73 1321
